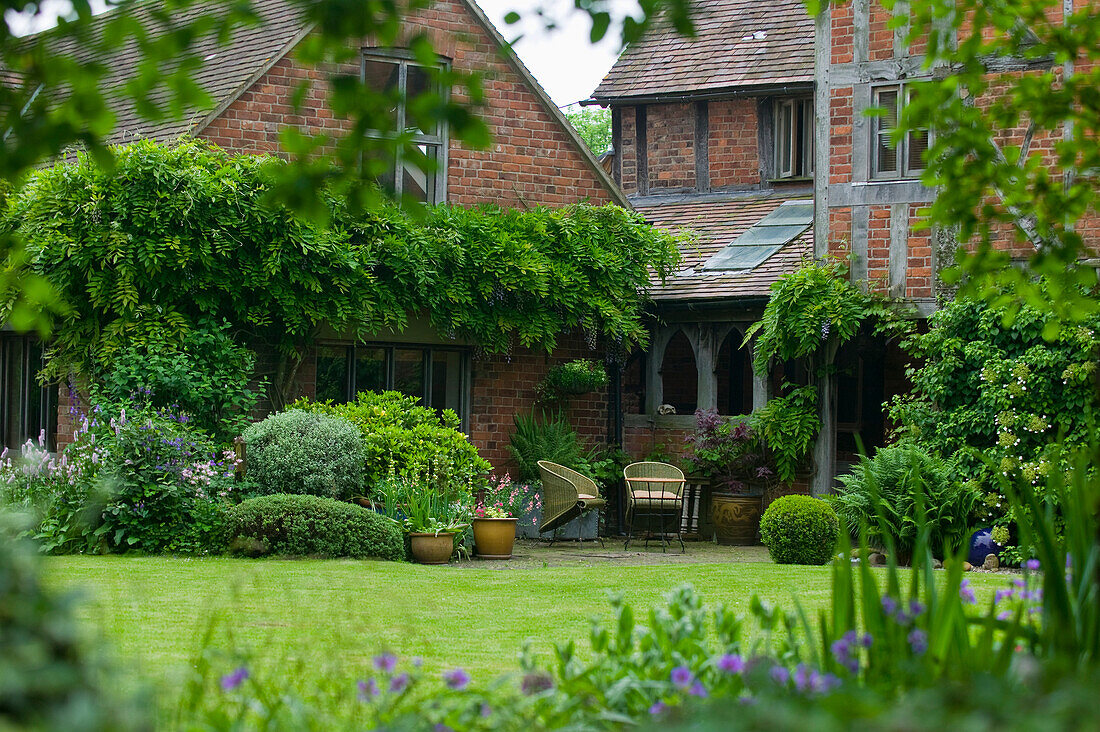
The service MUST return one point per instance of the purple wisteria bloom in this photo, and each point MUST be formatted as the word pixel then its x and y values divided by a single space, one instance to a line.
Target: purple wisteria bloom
pixel 918 641
pixel 368 689
pixel 731 663
pixel 385 662
pixel 399 683
pixel 659 707
pixel 234 679
pixel 456 679
pixel 681 676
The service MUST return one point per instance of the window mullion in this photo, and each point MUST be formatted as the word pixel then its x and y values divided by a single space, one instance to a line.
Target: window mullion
pixel 398 158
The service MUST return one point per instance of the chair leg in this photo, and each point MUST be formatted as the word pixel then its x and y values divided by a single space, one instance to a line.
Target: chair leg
pixel 629 527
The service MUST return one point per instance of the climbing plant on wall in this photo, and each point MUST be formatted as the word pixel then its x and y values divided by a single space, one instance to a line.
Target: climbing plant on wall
pixel 174 236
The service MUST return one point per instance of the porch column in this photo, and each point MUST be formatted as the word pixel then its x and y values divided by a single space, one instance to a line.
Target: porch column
pixel 825 447
pixel 761 390
pixel 706 357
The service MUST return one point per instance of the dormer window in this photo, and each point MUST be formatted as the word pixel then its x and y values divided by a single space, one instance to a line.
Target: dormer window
pixel 794 138
pixel 419 169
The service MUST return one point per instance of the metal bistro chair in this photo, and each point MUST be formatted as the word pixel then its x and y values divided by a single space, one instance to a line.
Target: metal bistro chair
pixel 654 489
pixel 566 494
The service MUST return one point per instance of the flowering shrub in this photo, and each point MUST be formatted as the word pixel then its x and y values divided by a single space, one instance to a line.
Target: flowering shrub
pixel 135 477
pixel 1000 399
pixel 301 452
pixel 501 498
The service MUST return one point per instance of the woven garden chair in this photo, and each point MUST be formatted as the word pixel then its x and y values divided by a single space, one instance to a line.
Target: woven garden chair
pixel 654 489
pixel 566 494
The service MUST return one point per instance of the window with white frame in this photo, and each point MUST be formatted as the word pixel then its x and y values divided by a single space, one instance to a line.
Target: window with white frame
pixel 794 138
pixel 418 170
pixel 905 157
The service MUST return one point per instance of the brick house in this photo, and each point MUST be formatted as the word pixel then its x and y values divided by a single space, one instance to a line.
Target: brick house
pixel 536 159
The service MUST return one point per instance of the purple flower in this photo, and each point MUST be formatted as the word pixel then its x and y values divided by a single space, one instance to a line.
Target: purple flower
pixel 1004 615
pixel 456 679
pixel 385 662
pixel 889 605
pixel 823 683
pixel 866 640
pixel 697 689
pixel 780 675
pixel 681 676
pixel 659 707
pixel 399 683
pixel 731 663
pixel 916 607
pixel 802 675
pixel 368 689
pixel 486 710
pixel 1032 565
pixel 440 727
pixel 966 592
pixel 1001 595
pixel 234 679
pixel 918 641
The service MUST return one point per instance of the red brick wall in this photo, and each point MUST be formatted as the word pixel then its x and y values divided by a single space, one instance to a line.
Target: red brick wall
pixel 840 135
pixel 733 147
pixel 629 145
pixel 532 160
pixel 880 34
pixel 918 277
pixel 843 33
pixel 639 442
pixel 840 231
pixel 878 247
pixel 670 138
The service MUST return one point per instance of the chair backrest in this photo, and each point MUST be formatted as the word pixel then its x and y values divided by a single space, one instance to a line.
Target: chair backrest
pixel 647 469
pixel 582 483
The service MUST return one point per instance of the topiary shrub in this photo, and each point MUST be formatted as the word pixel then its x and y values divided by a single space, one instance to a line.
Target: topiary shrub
pixel 885 493
pixel 800 530
pixel 312 525
pixel 302 452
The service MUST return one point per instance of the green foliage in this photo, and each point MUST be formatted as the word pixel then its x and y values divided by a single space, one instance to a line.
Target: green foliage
pixel 901 488
pixel 810 311
pixel 729 452
pixel 789 426
pixel 50 679
pixel 302 525
pixel 548 437
pixel 402 438
pixel 148 252
pixel 136 478
pixel 997 398
pixel 206 376
pixel 800 530
pixel 572 378
pixel 593 124
pixel 308 453
pixel 603 464
pixel 424 504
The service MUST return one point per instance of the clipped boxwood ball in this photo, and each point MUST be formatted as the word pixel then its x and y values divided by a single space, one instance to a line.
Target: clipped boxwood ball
pixel 800 530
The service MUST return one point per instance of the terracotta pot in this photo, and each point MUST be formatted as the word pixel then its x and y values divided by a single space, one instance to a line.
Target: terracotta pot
pixel 432 548
pixel 736 519
pixel 494 537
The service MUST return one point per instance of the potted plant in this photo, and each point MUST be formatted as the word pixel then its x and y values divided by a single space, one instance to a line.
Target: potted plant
pixel 431 513
pixel 499 508
pixel 735 458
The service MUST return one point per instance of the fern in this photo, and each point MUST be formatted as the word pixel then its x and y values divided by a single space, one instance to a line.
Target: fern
pixel 550 438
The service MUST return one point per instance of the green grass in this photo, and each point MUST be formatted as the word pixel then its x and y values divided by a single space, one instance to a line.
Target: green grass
pixel 336 614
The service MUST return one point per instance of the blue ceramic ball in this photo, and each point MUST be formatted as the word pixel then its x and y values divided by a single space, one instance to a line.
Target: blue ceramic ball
pixel 981 545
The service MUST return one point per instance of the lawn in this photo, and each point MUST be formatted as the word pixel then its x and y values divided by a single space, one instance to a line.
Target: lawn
pixel 334 615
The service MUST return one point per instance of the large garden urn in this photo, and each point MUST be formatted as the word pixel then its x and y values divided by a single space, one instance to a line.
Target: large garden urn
pixel 428 548
pixel 736 518
pixel 494 537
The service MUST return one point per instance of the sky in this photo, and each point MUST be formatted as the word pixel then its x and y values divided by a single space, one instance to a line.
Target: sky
pixel 563 59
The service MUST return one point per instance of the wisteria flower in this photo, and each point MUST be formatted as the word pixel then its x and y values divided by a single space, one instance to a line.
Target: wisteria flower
pixel 234 679
pixel 731 663
pixel 456 679
pixel 681 676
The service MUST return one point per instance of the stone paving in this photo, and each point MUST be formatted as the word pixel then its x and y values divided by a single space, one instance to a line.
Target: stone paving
pixel 530 553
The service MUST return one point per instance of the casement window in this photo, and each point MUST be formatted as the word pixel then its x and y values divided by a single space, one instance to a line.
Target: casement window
pixel 26 408
pixel 905 159
pixel 418 170
pixel 439 376
pixel 794 138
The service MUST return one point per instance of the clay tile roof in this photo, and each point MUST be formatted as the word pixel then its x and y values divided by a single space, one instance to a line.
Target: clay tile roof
pixel 227 70
pixel 717 223
pixel 739 43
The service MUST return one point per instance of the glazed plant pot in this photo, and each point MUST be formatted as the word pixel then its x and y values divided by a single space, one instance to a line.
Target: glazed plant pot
pixel 494 537
pixel 432 548
pixel 736 519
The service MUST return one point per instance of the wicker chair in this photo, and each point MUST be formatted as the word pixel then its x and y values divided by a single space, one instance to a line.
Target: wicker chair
pixel 661 496
pixel 566 494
